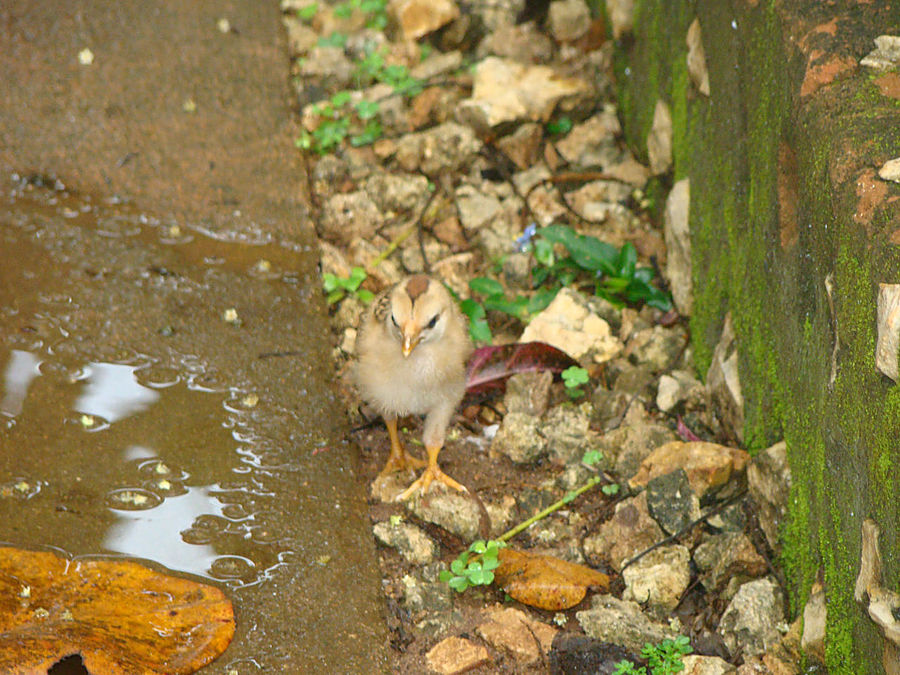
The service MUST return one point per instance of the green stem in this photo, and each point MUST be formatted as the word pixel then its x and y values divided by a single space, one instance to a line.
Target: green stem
pixel 509 534
pixel 391 247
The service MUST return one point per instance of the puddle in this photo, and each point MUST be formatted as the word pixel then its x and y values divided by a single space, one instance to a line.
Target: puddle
pixel 136 420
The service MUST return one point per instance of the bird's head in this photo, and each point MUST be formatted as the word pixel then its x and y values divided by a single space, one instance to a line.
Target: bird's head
pixel 418 312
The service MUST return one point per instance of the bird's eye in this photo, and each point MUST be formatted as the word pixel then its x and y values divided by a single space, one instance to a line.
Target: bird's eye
pixel 433 322
pixel 394 320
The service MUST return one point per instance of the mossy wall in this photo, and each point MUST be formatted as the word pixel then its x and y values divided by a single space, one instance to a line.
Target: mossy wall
pixel 785 203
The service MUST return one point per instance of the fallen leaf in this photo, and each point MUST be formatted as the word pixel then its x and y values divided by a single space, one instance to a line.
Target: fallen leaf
pixel 491 366
pixel 545 582
pixel 121 617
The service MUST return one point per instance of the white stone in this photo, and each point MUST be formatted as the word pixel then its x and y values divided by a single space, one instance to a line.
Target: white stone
pixel 696 58
pixel 659 140
pixel 621 16
pixel 886 54
pixel 569 325
pixel 888 330
pixel 890 170
pixel 678 246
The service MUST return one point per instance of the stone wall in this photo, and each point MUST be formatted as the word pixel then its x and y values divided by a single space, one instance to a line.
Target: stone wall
pixel 792 231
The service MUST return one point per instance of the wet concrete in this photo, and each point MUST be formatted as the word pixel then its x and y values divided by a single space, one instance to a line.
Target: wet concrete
pixel 134 419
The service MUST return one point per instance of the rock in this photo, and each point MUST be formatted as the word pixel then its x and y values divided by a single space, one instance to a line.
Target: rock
pixel 412 543
pixel 591 199
pixel 544 203
pixel 475 208
pixel 498 13
pixel 328 62
pixel 769 483
pixel 569 324
pixel 890 170
pixel 454 511
pixel 696 58
pixel 456 655
pixel 528 393
pixel 332 260
pixel 621 623
pixel 573 654
pixel 328 175
pixel 658 347
pixel 394 192
pixel 628 170
pixel 630 443
pixel 411 255
pixel 428 593
pixel 677 387
pixel 723 382
pixel 750 621
pixel 678 246
pixel 628 532
pixel 386 273
pixel 506 91
pixel 888 325
pixel 621 16
pixel 815 613
pixel 451 233
pixel 518 438
pixel 659 140
pixel 566 428
pixel 672 502
pixel 593 142
pixel 609 406
pixel 708 465
pixel 439 63
pixel 301 38
pixel 512 631
pixel 523 147
pixel 347 217
pixel 727 556
pixel 568 19
pixel 886 54
pixel 446 148
pixel 455 271
pixel 517 271
pixel 522 43
pixel 706 665
pixel 421 17
pixel 658 580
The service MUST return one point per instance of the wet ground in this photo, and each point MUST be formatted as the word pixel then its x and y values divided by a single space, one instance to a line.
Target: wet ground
pixel 146 410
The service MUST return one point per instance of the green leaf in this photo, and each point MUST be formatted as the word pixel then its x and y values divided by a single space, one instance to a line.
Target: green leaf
pixel 542 249
pixel 357 276
pixel 458 566
pixel 343 10
pixel 472 309
pixel 365 296
pixel 479 331
pixel 336 39
pixel 627 260
pixel 574 376
pixel 515 307
pixel 591 457
pixel 610 489
pixel 593 254
pixel 615 284
pixel 541 299
pixel 486 286
pixel 341 98
pixel 367 109
pixel 478 546
pixel 563 125
pixel 459 584
pixel 307 13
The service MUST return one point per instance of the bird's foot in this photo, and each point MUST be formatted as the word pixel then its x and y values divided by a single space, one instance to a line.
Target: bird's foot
pixel 422 483
pixel 401 462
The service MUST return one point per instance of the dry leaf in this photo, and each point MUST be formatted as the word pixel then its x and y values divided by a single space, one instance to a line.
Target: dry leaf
pixel 121 617
pixel 545 582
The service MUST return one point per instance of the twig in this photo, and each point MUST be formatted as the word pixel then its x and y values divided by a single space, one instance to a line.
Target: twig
pixel 570 496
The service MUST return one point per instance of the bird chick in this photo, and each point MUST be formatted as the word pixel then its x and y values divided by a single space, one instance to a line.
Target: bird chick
pixel 411 353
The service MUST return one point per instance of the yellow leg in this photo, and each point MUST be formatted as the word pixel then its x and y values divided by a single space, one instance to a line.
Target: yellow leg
pixel 398 460
pixel 432 473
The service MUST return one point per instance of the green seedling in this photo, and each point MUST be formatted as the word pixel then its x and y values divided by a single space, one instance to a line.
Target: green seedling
pixel 662 659
pixel 478 570
pixel 611 489
pixel 573 377
pixel 307 13
pixel 591 457
pixel 338 288
pixel 615 273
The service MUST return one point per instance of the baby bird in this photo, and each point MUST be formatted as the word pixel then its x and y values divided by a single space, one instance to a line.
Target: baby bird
pixel 411 352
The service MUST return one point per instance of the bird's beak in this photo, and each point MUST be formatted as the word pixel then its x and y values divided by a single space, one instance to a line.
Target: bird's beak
pixel 411 336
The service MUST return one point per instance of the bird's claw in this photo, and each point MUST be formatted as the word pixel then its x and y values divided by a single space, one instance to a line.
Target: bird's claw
pixel 401 462
pixel 423 483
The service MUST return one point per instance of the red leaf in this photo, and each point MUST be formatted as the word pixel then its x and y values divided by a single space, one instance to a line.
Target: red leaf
pixel 685 433
pixel 491 366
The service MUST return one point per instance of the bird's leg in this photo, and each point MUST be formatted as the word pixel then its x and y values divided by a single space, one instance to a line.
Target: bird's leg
pixel 432 473
pixel 398 460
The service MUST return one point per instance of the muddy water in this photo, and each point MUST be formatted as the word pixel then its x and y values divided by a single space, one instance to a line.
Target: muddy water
pixel 142 414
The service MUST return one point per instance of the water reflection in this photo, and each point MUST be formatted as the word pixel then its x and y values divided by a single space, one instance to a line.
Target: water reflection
pixel 20 371
pixel 155 534
pixel 112 392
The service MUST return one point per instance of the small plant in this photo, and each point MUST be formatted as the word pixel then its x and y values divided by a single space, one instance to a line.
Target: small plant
pixel 611 489
pixel 338 287
pixel 562 125
pixel 478 571
pixel 307 13
pixel 591 457
pixel 616 276
pixel 663 659
pixel 574 377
